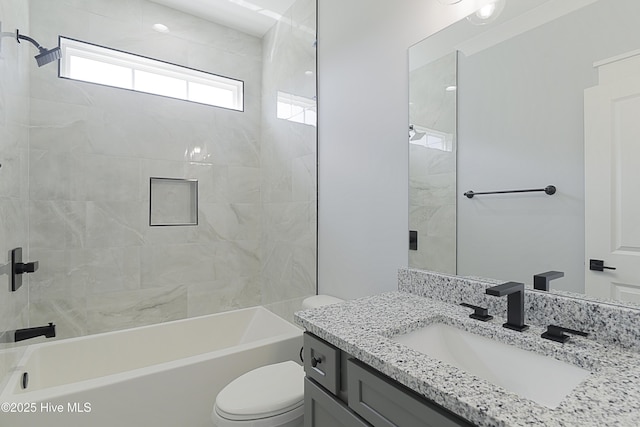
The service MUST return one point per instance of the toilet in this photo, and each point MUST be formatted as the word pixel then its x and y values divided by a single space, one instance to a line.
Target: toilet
pixel 269 396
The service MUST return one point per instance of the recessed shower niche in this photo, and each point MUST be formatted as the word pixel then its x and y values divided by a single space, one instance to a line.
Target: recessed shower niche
pixel 173 201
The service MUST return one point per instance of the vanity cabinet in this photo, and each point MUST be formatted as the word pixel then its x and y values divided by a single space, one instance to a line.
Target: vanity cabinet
pixel 343 391
pixel 323 409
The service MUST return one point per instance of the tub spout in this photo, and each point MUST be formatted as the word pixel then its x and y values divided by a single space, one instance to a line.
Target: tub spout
pixel 48 331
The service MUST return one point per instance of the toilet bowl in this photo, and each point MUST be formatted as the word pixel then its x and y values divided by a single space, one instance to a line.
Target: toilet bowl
pixel 269 396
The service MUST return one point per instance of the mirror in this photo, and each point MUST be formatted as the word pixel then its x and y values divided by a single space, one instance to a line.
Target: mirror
pixel 519 125
pixel 432 167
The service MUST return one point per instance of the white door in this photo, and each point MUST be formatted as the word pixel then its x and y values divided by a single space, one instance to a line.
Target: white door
pixel 612 187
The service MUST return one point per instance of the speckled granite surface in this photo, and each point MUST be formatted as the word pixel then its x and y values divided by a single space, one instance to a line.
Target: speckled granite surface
pixel 610 396
pixel 606 323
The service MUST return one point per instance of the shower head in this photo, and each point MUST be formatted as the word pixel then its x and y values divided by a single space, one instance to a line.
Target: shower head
pixel 415 135
pixel 46 55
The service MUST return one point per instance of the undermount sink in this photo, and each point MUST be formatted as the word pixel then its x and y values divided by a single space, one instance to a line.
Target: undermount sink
pixel 542 379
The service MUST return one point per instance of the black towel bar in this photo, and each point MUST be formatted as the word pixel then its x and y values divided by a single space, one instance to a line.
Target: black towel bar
pixel 549 189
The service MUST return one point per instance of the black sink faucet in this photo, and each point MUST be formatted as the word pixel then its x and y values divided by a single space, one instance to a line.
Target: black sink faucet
pixel 48 331
pixel 541 280
pixel 515 303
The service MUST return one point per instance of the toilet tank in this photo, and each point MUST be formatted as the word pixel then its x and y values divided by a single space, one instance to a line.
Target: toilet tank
pixel 319 301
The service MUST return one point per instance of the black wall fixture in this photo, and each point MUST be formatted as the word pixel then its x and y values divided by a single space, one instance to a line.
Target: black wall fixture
pixel 549 189
pixel 598 265
pixel 413 240
pixel 18 268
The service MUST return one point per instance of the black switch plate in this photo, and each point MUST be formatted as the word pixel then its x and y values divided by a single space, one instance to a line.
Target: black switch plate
pixel 413 240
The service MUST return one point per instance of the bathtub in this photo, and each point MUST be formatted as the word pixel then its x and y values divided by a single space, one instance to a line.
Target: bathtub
pixel 164 375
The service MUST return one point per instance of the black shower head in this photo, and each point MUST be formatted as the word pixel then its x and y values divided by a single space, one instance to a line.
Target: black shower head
pixel 46 55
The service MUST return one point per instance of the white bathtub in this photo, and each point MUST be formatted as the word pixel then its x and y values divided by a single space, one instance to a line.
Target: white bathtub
pixel 161 375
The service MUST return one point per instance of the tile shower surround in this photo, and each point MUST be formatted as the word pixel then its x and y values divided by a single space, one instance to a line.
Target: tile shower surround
pixel 92 150
pixel 606 323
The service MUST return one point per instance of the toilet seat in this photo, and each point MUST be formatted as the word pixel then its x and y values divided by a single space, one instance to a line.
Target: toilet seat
pixel 264 392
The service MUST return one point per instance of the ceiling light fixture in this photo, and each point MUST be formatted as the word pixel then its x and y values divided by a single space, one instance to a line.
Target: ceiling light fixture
pixel 487 13
pixel 161 28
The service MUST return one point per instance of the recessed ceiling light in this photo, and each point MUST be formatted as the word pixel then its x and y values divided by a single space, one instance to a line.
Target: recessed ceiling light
pixel 450 88
pixel 309 73
pixel 487 13
pixel 161 28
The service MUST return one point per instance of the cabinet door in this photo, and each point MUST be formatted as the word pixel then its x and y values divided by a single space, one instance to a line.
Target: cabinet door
pixel 385 403
pixel 324 410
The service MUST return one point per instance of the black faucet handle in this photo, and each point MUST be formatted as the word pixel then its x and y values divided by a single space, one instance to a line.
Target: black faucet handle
pixel 557 333
pixel 27 267
pixel 541 280
pixel 480 313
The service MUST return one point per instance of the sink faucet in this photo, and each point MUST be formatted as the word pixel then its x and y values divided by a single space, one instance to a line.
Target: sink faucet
pixel 48 331
pixel 515 303
pixel 541 280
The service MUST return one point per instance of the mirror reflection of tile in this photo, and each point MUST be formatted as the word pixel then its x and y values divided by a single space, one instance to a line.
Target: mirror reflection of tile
pixel 173 201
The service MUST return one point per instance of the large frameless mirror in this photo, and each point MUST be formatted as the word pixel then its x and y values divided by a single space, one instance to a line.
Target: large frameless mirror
pixel 528 84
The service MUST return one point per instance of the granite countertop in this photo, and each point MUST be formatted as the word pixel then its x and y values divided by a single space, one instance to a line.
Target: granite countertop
pixel 609 396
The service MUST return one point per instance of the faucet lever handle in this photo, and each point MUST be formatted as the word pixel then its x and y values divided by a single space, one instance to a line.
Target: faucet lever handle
pixel 556 333
pixel 27 267
pixel 541 280
pixel 480 313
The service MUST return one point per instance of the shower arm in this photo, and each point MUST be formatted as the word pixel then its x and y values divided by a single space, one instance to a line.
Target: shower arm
pixel 29 39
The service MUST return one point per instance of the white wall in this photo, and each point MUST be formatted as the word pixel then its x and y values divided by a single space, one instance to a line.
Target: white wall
pixel 362 137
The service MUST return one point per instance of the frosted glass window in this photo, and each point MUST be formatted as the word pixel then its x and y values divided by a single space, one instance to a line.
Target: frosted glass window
pixel 97 64
pixel 432 138
pixel 296 109
pixel 159 84
pixel 208 94
pixel 90 70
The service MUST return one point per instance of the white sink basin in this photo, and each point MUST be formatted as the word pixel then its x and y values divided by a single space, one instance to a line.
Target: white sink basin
pixel 544 380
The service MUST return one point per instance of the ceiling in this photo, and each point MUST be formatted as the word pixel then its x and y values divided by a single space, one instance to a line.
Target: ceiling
pixel 254 17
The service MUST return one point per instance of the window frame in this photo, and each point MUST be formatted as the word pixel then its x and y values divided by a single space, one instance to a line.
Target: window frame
pixel 95 52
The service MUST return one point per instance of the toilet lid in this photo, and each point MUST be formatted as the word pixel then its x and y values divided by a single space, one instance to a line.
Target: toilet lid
pixel 263 392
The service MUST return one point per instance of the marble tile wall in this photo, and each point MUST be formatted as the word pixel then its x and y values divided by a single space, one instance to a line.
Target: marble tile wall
pixel 288 159
pixel 92 152
pixel 14 138
pixel 432 171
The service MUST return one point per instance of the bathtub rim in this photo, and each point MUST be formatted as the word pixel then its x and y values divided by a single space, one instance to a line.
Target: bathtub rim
pixel 12 384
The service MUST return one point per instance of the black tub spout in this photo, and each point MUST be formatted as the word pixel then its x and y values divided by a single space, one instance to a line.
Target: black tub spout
pixel 48 331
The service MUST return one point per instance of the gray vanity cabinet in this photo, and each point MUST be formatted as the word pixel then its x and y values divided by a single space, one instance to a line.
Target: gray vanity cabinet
pixel 342 391
pixel 322 409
